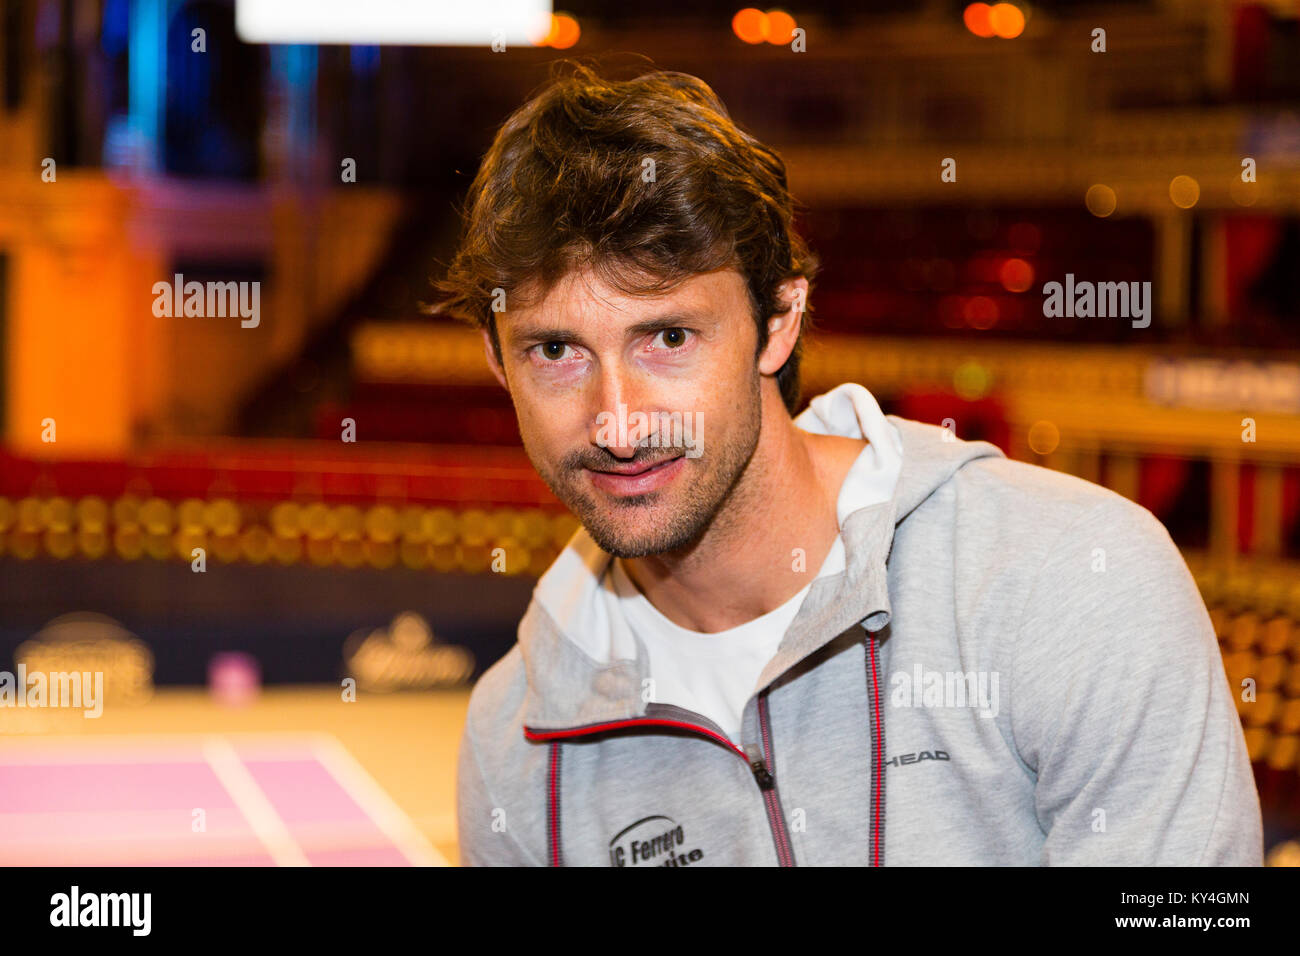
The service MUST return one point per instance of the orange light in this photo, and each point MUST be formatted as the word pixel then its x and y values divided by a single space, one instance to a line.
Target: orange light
pixel 1044 437
pixel 976 18
pixel 1184 191
pixel 750 25
pixel 1100 200
pixel 1016 275
pixel 564 31
pixel 1006 20
pixel 780 27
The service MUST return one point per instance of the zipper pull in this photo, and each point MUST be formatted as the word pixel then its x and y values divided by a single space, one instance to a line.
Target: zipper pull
pixel 759 766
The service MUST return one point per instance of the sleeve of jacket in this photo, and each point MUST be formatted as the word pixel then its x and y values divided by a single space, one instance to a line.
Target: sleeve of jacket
pixel 483 825
pixel 1121 706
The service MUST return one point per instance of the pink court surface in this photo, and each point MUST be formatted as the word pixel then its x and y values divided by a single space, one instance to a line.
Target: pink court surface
pixel 296 778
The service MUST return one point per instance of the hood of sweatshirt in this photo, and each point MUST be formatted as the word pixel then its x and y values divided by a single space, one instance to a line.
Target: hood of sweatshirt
pixel 585 667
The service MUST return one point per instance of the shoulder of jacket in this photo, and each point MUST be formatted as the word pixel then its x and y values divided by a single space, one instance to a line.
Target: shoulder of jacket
pixel 1011 519
pixel 496 702
pixel 1027 495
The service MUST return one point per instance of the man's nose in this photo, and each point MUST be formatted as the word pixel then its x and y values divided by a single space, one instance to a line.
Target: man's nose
pixel 615 422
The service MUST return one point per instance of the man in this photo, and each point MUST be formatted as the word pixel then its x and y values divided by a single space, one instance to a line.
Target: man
pixel 844 638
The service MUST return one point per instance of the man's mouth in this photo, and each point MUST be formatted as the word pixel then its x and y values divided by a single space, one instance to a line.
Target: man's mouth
pixel 636 478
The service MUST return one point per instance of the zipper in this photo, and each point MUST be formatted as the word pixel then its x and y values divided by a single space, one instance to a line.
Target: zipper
pixel 553 808
pixel 878 751
pixel 760 765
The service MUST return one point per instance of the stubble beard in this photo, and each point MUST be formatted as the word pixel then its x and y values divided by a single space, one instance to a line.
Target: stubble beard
pixel 660 526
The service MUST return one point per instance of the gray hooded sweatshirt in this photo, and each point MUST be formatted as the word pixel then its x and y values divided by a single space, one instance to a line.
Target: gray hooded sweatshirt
pixel 1014 668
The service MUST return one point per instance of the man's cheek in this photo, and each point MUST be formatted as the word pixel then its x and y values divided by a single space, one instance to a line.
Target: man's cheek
pixel 543 433
pixel 532 420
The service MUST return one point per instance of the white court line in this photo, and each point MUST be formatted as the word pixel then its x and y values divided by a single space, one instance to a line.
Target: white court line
pixel 253 803
pixel 375 801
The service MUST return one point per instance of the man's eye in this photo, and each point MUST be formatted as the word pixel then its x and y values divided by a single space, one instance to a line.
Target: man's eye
pixel 673 338
pixel 553 351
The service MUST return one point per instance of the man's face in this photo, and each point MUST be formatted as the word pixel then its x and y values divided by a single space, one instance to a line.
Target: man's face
pixel 649 483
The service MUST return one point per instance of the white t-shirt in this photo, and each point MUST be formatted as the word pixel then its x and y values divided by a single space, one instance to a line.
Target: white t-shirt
pixel 710 674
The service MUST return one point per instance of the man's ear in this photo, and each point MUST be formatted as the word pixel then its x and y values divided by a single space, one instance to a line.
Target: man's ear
pixel 493 364
pixel 783 328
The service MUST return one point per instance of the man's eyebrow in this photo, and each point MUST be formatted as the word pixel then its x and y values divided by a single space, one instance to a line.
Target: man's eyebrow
pixel 534 334
pixel 670 320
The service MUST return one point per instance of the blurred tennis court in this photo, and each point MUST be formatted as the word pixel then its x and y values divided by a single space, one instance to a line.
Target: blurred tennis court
pixel 296 778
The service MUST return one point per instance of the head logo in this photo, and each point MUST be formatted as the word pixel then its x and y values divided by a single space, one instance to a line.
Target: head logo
pixel 901 760
pixel 652 841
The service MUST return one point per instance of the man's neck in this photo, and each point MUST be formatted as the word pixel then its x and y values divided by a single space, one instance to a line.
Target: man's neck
pixel 768 540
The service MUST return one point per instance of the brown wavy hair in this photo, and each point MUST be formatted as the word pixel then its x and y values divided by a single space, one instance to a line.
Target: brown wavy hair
pixel 647 181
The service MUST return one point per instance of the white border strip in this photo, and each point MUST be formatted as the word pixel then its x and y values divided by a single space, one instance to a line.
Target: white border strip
pixel 253 802
pixel 357 782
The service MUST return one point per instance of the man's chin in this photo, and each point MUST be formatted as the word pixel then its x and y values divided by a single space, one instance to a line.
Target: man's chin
pixel 632 540
pixel 628 548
